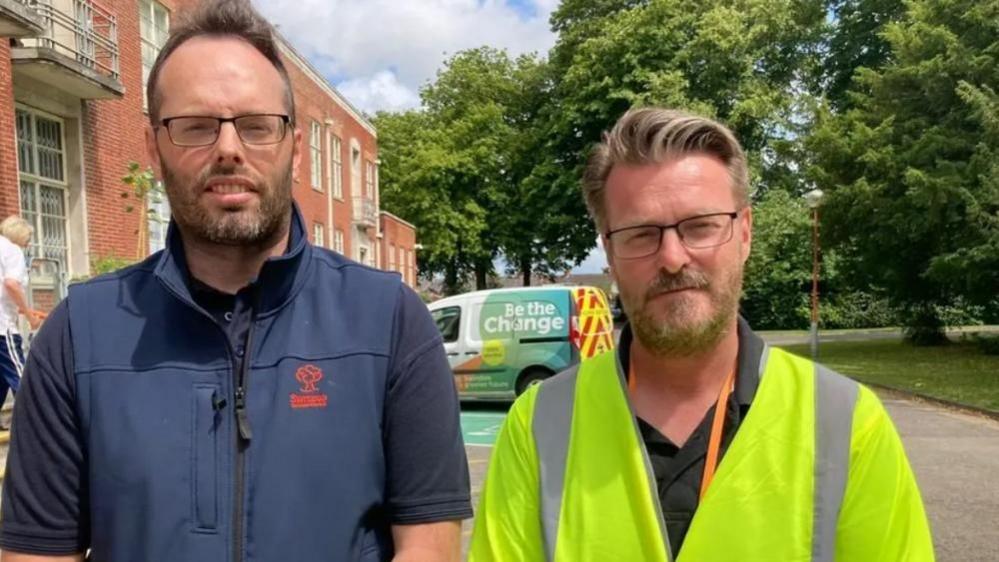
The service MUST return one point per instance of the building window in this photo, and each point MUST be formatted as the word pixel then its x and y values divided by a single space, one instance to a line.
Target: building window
pixel 369 180
pixel 154 28
pixel 335 159
pixel 410 268
pixel 319 234
pixel 42 166
pixel 338 240
pixel 355 170
pixel 315 153
pixel 391 257
pixel 158 216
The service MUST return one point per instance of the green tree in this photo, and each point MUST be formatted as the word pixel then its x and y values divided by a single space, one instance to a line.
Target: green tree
pixel 466 170
pixel 912 169
pixel 418 179
pixel 779 271
pixel 746 62
pixel 856 40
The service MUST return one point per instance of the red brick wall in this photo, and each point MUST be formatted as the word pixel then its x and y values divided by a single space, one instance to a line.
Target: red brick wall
pixel 113 136
pixel 313 103
pixel 395 235
pixel 43 299
pixel 8 136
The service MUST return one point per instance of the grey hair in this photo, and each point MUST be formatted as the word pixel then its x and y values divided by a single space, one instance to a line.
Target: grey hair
pixel 17 230
pixel 651 135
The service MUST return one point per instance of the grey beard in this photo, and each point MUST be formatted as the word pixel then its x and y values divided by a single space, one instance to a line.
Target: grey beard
pixel 683 337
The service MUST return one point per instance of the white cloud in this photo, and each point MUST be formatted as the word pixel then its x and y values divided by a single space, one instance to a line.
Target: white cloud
pixel 385 50
pixel 379 91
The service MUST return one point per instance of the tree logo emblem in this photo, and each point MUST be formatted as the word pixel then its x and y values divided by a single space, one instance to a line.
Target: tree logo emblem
pixel 308 376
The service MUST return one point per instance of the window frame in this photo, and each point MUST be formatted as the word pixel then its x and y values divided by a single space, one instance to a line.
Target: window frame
pixel 335 164
pixel 316 155
pixel 319 234
pixel 37 181
pixel 338 240
pixel 144 41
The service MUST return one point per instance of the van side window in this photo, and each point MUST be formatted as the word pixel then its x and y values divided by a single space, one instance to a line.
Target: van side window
pixel 447 320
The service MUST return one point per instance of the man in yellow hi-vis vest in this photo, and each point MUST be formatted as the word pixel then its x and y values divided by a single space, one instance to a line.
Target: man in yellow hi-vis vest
pixel 693 441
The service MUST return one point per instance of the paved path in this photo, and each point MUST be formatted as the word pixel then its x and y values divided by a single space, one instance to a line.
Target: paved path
pixel 955 457
pixel 956 460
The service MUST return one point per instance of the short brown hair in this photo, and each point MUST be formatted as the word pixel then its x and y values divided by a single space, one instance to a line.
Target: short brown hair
pixel 652 135
pixel 221 18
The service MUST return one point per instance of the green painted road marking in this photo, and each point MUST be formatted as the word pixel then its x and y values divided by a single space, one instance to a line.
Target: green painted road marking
pixel 481 428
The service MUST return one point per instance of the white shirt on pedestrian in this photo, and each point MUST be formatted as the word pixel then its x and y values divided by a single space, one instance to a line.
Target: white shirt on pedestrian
pixel 13 265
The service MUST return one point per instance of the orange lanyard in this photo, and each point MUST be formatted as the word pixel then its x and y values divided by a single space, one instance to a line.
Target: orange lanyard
pixel 717 423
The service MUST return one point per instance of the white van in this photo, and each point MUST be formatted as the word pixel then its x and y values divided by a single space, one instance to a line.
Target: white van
pixel 501 341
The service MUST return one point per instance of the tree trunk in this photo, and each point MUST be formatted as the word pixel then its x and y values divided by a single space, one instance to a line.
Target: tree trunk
pixel 526 270
pixel 481 276
pixel 451 283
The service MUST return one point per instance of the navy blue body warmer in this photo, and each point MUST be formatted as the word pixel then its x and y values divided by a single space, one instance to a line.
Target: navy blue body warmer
pixel 156 395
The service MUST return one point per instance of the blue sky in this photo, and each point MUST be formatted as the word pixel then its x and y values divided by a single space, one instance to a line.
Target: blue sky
pixel 379 53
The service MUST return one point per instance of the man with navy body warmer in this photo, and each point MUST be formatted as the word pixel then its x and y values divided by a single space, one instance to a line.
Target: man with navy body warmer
pixel 242 395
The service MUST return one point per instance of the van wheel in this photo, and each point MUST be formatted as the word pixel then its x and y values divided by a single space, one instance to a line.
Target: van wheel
pixel 530 378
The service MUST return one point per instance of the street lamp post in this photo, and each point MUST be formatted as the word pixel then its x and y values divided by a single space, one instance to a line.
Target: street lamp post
pixel 814 198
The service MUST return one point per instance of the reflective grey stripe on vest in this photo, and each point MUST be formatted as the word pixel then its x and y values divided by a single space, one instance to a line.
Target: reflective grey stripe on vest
pixel 835 398
pixel 551 426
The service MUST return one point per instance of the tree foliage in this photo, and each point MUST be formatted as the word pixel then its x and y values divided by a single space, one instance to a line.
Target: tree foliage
pixel 463 170
pixel 856 40
pixel 911 168
pixel 890 106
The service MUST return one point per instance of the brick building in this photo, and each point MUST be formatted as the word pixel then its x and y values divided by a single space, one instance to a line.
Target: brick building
pixel 398 244
pixel 72 118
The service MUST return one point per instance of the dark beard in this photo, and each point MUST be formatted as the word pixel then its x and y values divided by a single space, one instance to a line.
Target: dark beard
pixel 232 228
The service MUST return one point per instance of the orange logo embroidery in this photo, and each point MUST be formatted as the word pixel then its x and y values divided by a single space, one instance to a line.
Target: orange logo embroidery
pixel 310 397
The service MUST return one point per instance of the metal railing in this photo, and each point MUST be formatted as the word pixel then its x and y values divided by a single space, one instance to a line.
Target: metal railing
pixel 89 34
pixel 365 210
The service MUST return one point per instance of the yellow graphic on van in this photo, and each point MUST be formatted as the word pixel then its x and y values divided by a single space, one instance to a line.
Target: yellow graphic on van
pixel 594 330
pixel 493 352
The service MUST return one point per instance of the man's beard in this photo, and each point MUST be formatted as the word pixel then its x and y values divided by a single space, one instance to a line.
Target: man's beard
pixel 231 228
pixel 677 331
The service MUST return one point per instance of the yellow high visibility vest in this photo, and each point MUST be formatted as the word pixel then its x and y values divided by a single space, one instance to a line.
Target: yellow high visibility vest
pixel 816 472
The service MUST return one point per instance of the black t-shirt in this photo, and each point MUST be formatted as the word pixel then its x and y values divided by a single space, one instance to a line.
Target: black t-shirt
pixel 46 492
pixel 678 470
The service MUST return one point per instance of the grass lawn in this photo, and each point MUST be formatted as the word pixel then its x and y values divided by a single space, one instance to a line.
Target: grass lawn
pixel 958 372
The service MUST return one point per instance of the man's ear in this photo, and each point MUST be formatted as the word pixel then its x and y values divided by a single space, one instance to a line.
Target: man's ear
pixel 745 232
pixel 605 243
pixel 152 148
pixel 296 153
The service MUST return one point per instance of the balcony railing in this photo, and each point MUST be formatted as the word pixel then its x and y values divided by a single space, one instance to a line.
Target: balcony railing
pixel 365 211
pixel 81 29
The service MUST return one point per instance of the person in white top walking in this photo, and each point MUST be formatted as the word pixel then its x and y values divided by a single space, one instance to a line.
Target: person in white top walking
pixel 15 234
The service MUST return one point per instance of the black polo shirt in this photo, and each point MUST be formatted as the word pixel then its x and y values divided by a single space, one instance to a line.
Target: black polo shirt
pixel 232 312
pixel 678 470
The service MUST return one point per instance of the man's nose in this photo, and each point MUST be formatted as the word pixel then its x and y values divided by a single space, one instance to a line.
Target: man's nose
pixel 673 256
pixel 229 148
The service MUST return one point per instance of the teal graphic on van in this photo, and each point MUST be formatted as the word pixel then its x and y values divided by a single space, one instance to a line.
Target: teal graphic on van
pixel 500 342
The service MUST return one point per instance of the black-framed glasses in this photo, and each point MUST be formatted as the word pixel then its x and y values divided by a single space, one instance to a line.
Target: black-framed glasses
pixel 696 233
pixel 203 130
